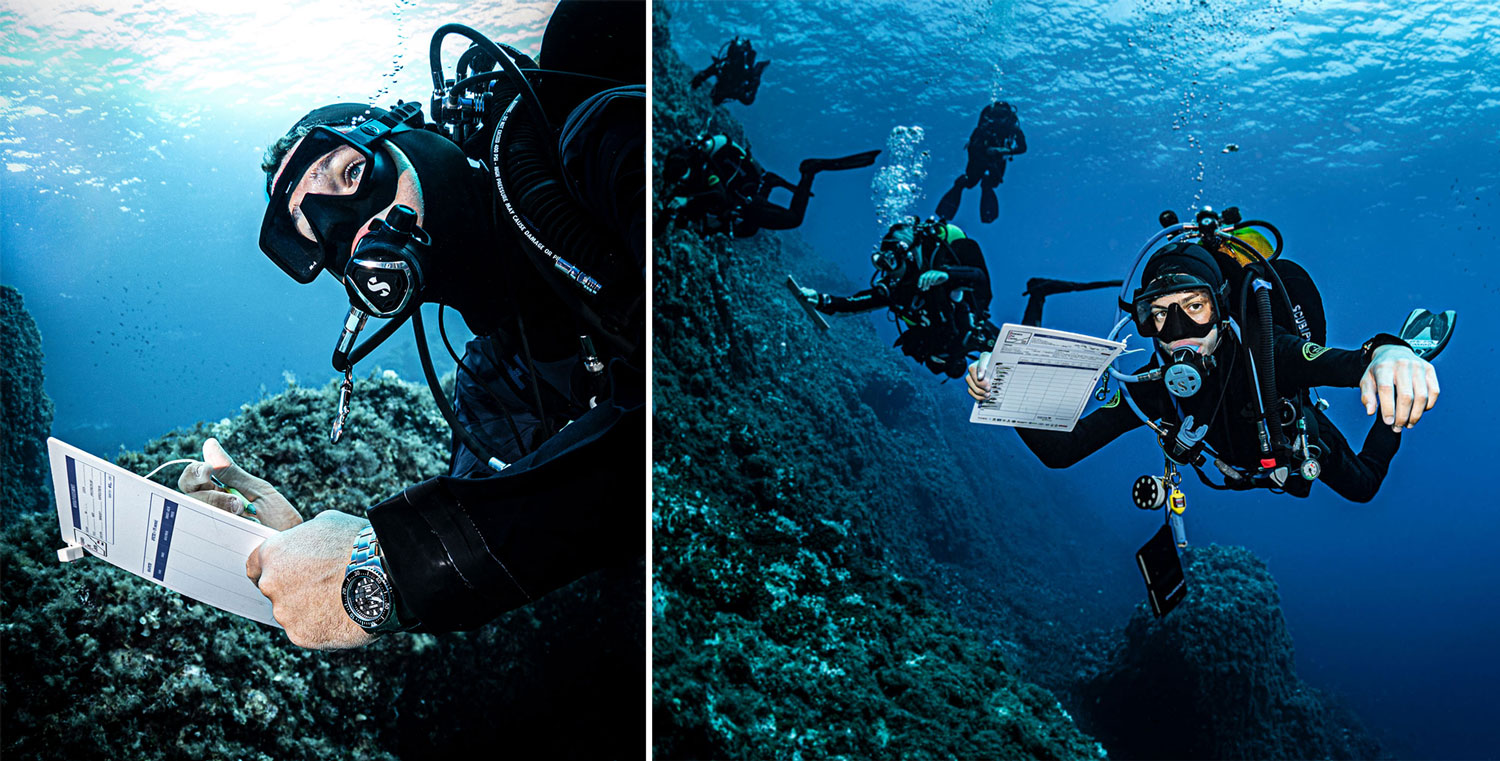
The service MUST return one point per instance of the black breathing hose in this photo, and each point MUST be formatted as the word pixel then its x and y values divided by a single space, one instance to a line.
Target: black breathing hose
pixel 503 58
pixel 483 451
pixel 1265 355
pixel 370 344
pixel 1264 349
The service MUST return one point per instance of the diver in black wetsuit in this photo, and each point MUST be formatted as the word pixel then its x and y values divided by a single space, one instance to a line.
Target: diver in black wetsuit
pixel 934 280
pixel 550 419
pixel 1209 397
pixel 736 73
pixel 997 137
pixel 936 283
pixel 717 185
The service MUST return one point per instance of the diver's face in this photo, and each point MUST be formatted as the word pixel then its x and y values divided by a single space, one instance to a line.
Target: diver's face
pixel 338 173
pixel 1198 305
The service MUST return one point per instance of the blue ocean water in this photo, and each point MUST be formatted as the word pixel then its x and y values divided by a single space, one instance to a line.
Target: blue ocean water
pixel 131 194
pixel 1368 132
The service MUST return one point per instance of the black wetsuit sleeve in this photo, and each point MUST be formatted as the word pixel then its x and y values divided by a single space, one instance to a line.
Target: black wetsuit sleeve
pixel 962 276
pixel 1302 364
pixel 863 301
pixel 1061 449
pixel 460 551
pixel 1020 143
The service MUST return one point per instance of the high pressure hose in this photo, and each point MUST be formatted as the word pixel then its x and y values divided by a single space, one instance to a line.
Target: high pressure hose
pixel 482 451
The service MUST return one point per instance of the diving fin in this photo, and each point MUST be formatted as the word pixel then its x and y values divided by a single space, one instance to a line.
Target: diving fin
pixel 989 205
pixel 1428 333
pixel 857 161
pixel 1041 286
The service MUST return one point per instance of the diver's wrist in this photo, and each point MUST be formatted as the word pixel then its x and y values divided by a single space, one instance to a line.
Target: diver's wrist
pixel 1381 340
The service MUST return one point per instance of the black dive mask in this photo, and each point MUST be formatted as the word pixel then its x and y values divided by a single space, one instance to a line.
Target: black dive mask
pixel 891 259
pixel 347 180
pixel 1179 325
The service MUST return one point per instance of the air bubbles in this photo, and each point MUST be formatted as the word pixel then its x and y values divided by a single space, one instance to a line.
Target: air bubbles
pixel 897 184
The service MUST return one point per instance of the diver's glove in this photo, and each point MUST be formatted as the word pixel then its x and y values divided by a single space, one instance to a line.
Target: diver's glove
pixel 810 295
pixel 1187 445
pixel 931 278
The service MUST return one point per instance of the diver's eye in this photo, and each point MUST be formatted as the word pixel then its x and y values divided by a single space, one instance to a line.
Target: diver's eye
pixel 353 172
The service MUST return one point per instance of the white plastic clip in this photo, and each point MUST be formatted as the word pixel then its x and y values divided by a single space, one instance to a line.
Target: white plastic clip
pixel 70 553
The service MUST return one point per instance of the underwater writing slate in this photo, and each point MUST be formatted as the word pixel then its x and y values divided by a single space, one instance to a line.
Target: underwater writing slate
pixel 1042 378
pixel 157 533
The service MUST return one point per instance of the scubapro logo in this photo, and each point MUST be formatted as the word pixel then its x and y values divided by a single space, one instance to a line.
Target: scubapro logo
pixel 379 288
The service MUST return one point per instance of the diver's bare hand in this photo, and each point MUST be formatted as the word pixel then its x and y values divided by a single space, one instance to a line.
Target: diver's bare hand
pixel 301 571
pixel 930 279
pixel 271 509
pixel 979 386
pixel 1401 384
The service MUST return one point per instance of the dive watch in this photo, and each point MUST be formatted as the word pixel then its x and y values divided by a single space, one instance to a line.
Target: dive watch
pixel 369 597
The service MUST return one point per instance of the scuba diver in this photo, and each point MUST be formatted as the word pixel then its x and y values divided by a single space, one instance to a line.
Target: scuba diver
pixel 519 205
pixel 735 71
pixel 717 185
pixel 1239 347
pixel 997 138
pixel 935 281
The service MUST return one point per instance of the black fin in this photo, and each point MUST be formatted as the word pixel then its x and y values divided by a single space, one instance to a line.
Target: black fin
pixel 857 161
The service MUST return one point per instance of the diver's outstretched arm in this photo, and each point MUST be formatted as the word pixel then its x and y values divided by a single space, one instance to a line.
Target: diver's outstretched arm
pixel 1060 449
pixel 863 301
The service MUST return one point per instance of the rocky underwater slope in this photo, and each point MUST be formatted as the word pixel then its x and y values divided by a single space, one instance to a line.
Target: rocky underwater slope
pixel 99 663
pixel 845 567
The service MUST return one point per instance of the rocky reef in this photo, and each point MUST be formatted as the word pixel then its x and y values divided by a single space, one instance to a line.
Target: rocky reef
pixel 845 567
pixel 794 474
pixel 100 663
pixel 1215 677
pixel 25 411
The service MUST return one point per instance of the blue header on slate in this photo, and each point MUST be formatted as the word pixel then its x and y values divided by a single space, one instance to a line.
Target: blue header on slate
pixel 164 540
pixel 73 492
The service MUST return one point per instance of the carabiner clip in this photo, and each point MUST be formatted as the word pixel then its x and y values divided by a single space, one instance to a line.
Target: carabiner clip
pixel 346 391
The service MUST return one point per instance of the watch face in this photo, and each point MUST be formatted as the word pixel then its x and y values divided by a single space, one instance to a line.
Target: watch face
pixel 367 597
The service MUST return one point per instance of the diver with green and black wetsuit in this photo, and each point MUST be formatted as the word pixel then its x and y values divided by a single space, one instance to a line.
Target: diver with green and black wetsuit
pixel 1232 386
pixel 520 206
pixel 936 283
pixel 716 185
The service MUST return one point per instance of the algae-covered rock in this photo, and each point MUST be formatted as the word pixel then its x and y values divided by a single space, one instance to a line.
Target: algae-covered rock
pixel 25 411
pixel 810 503
pixel 1215 678
pixel 99 663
